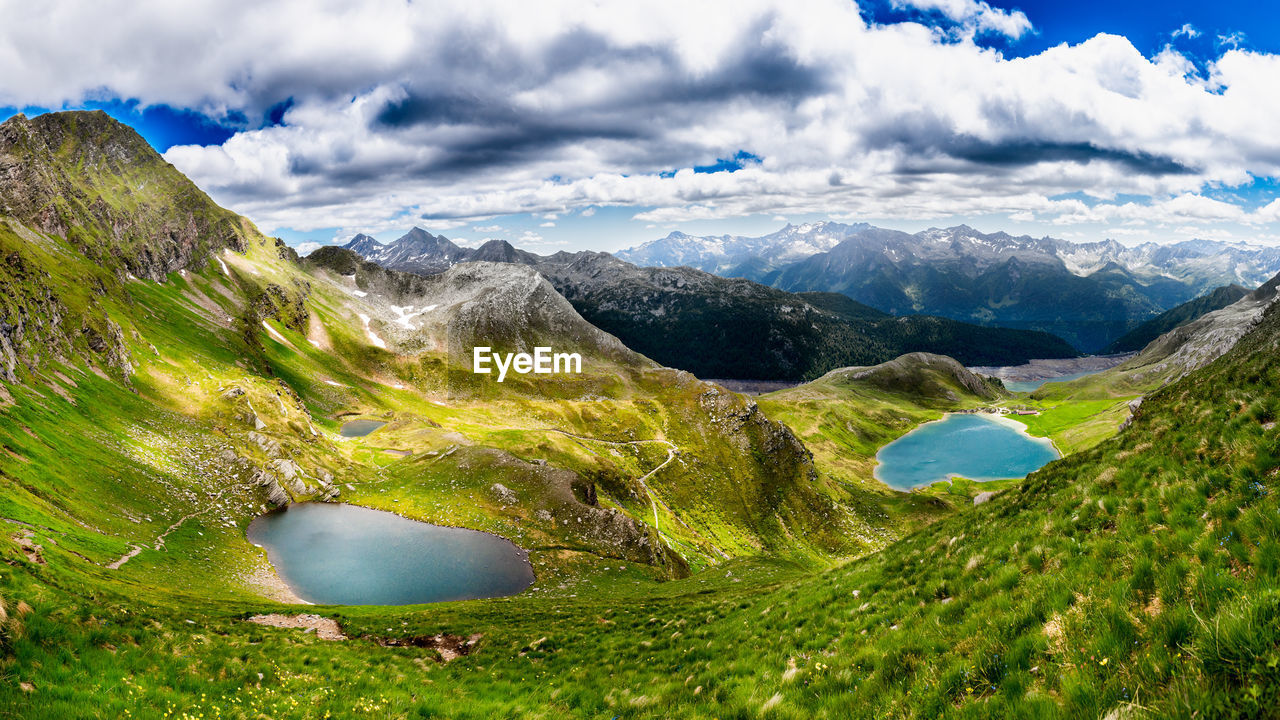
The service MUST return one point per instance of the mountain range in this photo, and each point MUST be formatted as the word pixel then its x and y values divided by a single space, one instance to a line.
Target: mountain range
pixel 728 328
pixel 1087 293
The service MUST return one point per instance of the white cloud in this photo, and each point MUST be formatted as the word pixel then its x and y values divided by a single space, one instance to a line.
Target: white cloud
pixel 975 16
pixel 1232 40
pixel 1187 30
pixel 451 113
pixel 547 224
pixel 306 248
pixel 588 212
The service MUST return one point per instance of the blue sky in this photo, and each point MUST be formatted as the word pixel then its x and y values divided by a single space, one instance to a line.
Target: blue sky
pixel 601 126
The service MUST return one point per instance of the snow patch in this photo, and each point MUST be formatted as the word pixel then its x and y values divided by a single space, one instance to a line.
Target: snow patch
pixel 272 331
pixel 225 271
pixel 404 316
pixel 359 294
pixel 373 337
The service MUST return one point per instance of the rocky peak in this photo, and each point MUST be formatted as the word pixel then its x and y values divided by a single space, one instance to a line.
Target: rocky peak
pixel 363 245
pixel 135 212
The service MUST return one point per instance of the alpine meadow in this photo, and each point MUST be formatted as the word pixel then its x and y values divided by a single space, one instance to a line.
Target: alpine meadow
pixel 639 360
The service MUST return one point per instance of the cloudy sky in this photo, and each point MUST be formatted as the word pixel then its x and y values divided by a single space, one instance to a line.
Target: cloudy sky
pixel 569 125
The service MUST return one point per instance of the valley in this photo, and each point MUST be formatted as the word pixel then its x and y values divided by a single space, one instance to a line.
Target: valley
pixel 172 376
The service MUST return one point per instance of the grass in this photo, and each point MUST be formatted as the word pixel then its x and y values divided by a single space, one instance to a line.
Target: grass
pixel 1079 425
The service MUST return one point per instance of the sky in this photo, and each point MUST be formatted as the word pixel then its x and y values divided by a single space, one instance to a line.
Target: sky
pixel 601 125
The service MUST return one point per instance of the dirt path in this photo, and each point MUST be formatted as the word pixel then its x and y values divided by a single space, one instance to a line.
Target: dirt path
pixel 672 451
pixel 158 544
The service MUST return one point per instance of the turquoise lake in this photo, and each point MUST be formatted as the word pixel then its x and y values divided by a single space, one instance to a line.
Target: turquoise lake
pixel 336 554
pixel 972 446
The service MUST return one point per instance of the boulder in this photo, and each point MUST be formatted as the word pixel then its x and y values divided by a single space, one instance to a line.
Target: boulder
pixel 504 494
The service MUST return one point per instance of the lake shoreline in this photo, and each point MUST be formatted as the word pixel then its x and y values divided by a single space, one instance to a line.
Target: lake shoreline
pixel 1022 428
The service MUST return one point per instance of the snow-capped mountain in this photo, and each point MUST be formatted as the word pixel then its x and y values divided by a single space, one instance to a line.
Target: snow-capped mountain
pixel 364 245
pixel 1205 264
pixel 740 256
pixel 1088 293
pixel 415 251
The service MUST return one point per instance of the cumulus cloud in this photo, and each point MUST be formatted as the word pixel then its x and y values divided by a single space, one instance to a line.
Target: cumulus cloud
pixel 975 16
pixel 1187 31
pixel 447 114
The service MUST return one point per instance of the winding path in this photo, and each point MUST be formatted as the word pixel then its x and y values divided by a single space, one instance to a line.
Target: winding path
pixel 136 549
pixel 672 451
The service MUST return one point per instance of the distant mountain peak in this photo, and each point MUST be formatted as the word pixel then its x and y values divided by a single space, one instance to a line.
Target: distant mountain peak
pixel 363 245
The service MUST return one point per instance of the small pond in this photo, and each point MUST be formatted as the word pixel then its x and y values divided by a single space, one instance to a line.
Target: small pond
pixel 336 554
pixel 360 428
pixel 978 447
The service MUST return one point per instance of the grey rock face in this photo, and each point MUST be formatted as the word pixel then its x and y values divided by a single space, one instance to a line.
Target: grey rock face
pixel 1200 342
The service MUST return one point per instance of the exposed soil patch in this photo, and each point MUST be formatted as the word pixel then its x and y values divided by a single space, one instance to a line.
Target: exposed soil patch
pixel 26 541
pixel 449 646
pixel 324 628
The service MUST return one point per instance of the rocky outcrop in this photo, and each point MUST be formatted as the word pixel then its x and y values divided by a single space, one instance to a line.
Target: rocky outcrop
pixel 545 495
pixel 1134 406
pixel 35 324
pixel 739 418
pixel 276 302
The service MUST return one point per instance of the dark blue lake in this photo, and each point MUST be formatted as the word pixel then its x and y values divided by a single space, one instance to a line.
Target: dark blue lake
pixel 336 554
pixel 976 446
